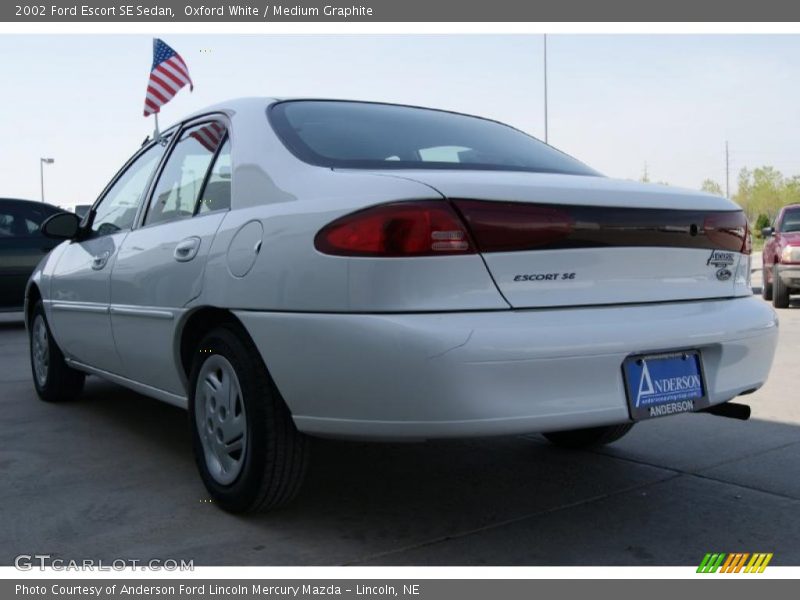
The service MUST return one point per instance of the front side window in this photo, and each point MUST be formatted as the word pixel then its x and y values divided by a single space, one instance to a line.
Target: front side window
pixel 363 135
pixel 181 181
pixel 117 209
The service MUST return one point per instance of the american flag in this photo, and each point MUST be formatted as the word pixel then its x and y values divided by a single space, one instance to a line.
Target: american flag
pixel 168 74
pixel 209 135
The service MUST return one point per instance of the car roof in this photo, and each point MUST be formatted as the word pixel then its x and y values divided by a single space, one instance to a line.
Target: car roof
pixel 245 105
pixel 31 203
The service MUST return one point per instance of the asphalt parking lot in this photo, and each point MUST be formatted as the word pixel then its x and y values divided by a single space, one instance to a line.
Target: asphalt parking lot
pixel 112 476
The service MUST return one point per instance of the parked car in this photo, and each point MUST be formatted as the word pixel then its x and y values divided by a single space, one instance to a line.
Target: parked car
pixel 295 268
pixel 782 257
pixel 22 246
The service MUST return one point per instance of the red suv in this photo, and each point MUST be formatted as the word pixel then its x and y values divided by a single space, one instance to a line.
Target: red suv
pixel 782 257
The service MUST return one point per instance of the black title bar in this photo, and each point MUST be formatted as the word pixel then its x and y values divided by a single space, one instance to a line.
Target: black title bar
pixel 401 10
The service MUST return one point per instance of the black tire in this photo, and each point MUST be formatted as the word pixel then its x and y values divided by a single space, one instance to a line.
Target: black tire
pixel 766 288
pixel 587 438
pixel 60 383
pixel 780 293
pixel 276 454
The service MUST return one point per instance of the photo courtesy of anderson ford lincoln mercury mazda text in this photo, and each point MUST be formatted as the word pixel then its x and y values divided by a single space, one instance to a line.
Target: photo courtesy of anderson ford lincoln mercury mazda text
pixel 295 268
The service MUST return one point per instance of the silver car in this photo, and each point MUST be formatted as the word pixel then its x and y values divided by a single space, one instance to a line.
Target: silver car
pixel 294 268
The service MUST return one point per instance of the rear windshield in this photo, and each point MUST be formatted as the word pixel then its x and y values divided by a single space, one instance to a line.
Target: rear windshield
pixel 361 135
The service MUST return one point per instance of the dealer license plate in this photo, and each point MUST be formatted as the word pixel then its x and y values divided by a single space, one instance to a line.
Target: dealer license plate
pixel 665 384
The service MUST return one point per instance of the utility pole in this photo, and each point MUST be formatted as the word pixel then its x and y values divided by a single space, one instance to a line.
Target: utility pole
pixel 727 171
pixel 545 88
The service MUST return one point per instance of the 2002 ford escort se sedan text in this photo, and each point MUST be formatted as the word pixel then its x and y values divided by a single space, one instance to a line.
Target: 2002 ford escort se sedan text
pixel 286 269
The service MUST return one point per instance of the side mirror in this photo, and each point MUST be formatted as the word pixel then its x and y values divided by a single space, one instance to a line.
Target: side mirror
pixel 82 209
pixel 63 226
pixel 767 232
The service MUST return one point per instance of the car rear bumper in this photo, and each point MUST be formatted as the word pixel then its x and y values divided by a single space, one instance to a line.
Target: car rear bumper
pixel 436 375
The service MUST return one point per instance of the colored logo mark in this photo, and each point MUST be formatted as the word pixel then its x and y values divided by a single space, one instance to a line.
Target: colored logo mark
pixel 736 562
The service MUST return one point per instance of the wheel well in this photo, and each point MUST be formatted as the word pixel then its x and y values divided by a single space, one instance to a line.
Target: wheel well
pixel 33 296
pixel 197 325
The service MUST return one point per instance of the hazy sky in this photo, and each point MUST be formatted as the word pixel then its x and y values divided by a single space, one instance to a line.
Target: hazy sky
pixel 616 101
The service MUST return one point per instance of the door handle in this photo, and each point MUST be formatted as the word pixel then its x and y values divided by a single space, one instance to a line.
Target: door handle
pixel 99 261
pixel 186 249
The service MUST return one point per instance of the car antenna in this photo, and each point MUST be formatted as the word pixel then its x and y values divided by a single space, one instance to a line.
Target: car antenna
pixel 146 139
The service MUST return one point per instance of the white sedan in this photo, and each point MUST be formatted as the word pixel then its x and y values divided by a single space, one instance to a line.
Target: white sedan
pixel 293 268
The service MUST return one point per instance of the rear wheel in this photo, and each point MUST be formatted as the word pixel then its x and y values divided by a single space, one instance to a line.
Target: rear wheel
pixel 780 293
pixel 766 287
pixel 587 438
pixel 53 379
pixel 248 451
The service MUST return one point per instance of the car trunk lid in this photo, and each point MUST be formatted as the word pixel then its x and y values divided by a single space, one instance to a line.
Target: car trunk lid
pixel 557 240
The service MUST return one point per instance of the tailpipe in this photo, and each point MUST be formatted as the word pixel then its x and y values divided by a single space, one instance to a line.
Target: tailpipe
pixel 732 410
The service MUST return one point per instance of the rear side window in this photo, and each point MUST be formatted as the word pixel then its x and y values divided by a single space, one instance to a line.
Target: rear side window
pixel 362 135
pixel 21 221
pixel 217 190
pixel 181 181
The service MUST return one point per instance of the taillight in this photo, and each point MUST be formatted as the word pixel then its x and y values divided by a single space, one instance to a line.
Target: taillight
pixel 425 228
pixel 439 227
pixel 748 240
pixel 514 226
pixel 728 231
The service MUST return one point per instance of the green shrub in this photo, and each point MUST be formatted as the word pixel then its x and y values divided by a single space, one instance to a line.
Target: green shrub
pixel 761 222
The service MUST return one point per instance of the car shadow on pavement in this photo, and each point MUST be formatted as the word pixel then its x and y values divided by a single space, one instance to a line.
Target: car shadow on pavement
pixel 675 488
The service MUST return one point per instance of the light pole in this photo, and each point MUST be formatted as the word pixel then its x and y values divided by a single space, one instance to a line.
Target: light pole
pixel 545 89
pixel 42 163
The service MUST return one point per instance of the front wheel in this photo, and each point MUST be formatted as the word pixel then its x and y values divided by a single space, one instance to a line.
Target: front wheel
pixel 53 379
pixel 766 287
pixel 247 448
pixel 780 293
pixel 587 438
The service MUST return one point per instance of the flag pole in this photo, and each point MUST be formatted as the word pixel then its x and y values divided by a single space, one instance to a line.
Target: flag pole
pixel 155 133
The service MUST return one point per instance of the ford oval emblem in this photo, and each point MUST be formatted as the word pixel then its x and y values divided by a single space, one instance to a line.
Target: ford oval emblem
pixel 724 274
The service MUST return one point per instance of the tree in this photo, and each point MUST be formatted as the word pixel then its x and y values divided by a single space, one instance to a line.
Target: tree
pixel 764 191
pixel 712 187
pixel 762 222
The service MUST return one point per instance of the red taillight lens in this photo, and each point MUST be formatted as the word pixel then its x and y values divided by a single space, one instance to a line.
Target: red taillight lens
pixel 513 226
pixel 748 240
pixel 426 228
pixel 728 231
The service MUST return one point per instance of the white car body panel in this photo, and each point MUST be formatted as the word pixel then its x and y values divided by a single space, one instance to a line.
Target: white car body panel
pixel 553 188
pixel 607 276
pixel 404 347
pixel 504 372
pixel 290 274
pixel 79 299
pixel 149 290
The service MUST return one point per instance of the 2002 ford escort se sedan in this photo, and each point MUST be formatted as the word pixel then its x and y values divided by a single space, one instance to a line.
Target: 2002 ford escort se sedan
pixel 295 268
